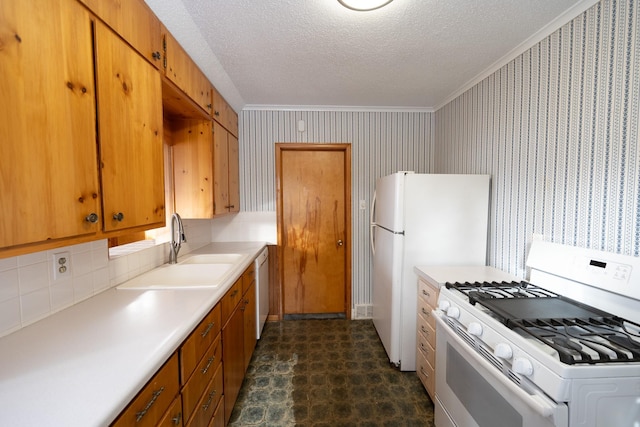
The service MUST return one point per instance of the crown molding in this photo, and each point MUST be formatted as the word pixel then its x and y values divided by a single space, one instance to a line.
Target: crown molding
pixel 261 107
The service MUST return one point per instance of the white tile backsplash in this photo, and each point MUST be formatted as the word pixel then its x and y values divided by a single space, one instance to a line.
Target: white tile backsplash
pixel 9 316
pixel 9 287
pixel 33 277
pixel 35 305
pixel 245 227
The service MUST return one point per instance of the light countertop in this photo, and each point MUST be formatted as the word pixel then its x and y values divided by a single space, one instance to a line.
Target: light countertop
pixel 83 365
pixel 438 275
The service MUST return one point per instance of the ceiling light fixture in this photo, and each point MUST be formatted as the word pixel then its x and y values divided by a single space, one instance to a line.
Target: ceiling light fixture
pixel 364 5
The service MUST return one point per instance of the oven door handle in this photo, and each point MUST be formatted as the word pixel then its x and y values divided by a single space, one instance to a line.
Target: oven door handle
pixel 537 402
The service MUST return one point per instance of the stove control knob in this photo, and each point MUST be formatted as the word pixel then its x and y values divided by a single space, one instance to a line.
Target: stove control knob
pixel 453 312
pixel 503 351
pixel 474 328
pixel 522 366
pixel 444 305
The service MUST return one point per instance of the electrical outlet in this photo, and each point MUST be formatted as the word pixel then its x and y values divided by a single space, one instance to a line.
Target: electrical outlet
pixel 61 266
pixel 363 205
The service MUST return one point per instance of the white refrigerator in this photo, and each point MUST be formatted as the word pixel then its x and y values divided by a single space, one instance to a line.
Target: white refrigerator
pixel 420 219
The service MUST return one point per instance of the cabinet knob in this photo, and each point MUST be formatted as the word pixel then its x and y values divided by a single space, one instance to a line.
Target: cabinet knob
pixel 118 216
pixel 156 55
pixel 340 243
pixel 209 106
pixel 92 218
pixel 217 113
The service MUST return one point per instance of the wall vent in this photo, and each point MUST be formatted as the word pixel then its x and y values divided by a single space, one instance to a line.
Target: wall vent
pixel 363 311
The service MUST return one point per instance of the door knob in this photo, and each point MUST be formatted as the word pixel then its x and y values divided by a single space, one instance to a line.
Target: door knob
pixel 340 243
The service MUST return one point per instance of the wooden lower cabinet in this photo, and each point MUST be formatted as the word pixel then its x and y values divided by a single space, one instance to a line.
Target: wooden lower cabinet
pixel 233 357
pixel 198 386
pixel 426 336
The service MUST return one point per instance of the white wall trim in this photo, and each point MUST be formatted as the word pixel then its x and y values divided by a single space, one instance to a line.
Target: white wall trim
pixel 567 16
pixel 260 107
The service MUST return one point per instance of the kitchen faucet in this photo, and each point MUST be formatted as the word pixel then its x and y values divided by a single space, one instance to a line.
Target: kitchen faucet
pixel 175 244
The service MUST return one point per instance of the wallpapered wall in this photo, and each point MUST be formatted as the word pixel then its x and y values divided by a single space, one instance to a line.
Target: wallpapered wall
pixel 557 128
pixel 381 143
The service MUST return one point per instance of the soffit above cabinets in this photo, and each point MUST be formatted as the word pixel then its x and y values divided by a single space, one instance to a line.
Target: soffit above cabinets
pixel 408 54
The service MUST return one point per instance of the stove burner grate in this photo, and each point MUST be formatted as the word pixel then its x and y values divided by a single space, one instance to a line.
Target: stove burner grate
pixel 579 333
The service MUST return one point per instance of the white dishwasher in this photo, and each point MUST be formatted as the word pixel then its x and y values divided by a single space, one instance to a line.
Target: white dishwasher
pixel 262 290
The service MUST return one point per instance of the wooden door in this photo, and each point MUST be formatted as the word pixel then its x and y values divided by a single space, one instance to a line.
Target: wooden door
pixel 48 170
pixel 314 208
pixel 131 148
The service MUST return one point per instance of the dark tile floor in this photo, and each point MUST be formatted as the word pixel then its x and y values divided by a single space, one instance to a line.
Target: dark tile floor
pixel 327 373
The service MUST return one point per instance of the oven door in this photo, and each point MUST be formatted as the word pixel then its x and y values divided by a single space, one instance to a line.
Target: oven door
pixel 471 392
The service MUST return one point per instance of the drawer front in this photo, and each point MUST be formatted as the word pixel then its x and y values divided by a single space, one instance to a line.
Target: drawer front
pixel 426 373
pixel 248 277
pixel 427 349
pixel 230 300
pixel 208 402
pixel 198 342
pixel 148 407
pixel 173 416
pixel 194 388
pixel 427 332
pixel 218 416
pixel 428 293
pixel 424 310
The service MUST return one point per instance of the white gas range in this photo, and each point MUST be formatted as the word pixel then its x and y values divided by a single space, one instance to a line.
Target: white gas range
pixel 562 349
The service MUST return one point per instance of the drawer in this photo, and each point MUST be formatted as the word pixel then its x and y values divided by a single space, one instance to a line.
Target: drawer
pixel 248 277
pixel 201 377
pixel 425 330
pixel 198 342
pixel 218 416
pixel 427 376
pixel 173 416
pixel 208 403
pixel 427 293
pixel 427 349
pixel 148 407
pixel 230 300
pixel 424 311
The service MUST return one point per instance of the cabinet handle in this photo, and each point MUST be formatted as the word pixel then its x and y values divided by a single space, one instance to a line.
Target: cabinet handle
pixel 142 413
pixel 425 293
pixel 156 55
pixel 424 350
pixel 92 218
pixel 217 113
pixel 230 206
pixel 206 331
pixel 118 216
pixel 424 330
pixel 423 372
pixel 206 405
pixel 234 293
pixel 206 368
pixel 425 312
pixel 176 420
pixel 209 106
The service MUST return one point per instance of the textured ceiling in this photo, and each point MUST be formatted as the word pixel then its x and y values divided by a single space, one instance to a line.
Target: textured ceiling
pixel 411 53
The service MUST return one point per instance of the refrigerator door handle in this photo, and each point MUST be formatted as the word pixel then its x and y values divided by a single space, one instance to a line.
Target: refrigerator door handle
pixel 373 224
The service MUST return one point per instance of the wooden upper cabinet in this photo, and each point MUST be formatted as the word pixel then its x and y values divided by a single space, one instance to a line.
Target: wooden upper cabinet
pixel 130 133
pixel 48 173
pixel 224 114
pixel 220 170
pixel 234 173
pixel 185 74
pixel 134 22
pixel 192 153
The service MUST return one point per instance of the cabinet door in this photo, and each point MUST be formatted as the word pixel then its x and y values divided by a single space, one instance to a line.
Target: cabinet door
pixel 130 131
pixel 232 360
pixel 220 170
pixel 192 153
pixel 182 71
pixel 249 331
pixel 134 22
pixel 48 172
pixel 234 173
